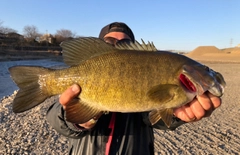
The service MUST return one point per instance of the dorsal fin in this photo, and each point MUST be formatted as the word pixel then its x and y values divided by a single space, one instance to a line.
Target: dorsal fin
pixel 149 47
pixel 77 50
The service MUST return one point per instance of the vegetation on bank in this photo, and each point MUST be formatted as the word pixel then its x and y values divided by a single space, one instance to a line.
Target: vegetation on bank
pixel 32 39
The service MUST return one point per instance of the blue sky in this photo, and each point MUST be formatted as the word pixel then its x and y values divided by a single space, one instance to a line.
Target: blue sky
pixel 170 24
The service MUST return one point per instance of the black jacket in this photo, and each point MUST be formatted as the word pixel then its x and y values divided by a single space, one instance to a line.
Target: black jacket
pixel 133 134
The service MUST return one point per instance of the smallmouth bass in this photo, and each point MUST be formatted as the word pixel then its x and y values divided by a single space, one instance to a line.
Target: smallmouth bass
pixel 126 78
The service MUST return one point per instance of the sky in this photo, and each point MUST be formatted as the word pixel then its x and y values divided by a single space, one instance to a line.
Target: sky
pixel 170 24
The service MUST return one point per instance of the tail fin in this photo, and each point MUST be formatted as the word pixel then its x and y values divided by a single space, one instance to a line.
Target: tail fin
pixel 30 93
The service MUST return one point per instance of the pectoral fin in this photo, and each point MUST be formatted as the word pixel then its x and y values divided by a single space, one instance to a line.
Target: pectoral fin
pixel 79 112
pixel 162 93
pixel 165 115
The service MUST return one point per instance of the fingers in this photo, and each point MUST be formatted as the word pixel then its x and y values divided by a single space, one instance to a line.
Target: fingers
pixel 92 122
pixel 208 102
pixel 189 113
pixel 69 94
pixel 200 107
pixel 216 101
pixel 184 113
pixel 205 102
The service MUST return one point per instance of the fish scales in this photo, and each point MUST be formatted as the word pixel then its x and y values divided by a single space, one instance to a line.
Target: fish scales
pixel 112 81
pixel 126 78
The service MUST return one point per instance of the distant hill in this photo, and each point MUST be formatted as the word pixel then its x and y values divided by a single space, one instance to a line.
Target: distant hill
pixel 201 50
pixel 213 54
pixel 206 50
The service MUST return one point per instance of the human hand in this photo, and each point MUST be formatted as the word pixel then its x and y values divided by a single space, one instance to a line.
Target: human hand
pixel 200 107
pixel 68 96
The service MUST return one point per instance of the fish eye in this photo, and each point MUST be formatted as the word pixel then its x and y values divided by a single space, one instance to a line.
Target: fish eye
pixel 207 68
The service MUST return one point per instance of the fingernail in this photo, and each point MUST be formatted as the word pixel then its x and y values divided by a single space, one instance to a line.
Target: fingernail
pixel 192 119
pixel 75 88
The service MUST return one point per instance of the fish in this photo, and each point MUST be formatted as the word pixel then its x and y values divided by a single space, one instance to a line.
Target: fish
pixel 126 78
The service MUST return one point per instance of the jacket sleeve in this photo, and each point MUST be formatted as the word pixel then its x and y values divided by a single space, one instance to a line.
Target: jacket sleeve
pixel 56 118
pixel 176 122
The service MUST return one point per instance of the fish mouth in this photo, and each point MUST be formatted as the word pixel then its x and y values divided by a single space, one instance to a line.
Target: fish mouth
pixel 217 89
pixel 187 83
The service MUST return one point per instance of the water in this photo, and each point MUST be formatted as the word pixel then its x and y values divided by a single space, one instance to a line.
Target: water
pixel 7 86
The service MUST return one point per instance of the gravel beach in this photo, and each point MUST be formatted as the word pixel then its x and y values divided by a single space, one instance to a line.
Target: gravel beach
pixel 30 133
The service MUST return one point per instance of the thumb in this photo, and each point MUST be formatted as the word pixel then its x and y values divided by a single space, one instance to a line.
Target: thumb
pixel 69 94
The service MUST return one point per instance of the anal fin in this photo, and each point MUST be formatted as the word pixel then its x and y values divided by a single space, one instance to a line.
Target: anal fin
pixel 79 112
